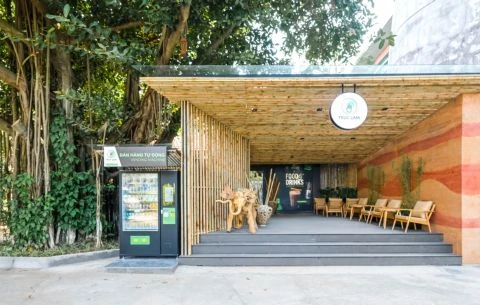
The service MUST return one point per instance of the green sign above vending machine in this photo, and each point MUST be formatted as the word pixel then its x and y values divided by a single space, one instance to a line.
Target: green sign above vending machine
pixel 135 156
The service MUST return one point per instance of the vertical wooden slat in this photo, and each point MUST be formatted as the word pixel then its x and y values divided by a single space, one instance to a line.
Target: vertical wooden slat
pixel 202 174
pixel 183 227
pixel 184 186
pixel 211 199
pixel 190 176
pixel 197 199
pixel 213 156
pixel 191 213
pixel 192 203
pixel 199 169
pixel 206 156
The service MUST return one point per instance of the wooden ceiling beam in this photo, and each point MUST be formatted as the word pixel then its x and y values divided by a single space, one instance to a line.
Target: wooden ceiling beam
pixel 281 118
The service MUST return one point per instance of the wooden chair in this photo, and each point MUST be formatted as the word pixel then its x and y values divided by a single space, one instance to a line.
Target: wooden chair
pixel 356 208
pixel 389 211
pixel 367 209
pixel 334 205
pixel 349 202
pixel 421 213
pixel 319 204
pixel 392 205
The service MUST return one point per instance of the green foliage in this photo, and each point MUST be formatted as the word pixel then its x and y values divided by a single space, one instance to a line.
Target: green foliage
pixel 323 30
pixel 220 32
pixel 6 183
pixel 74 193
pixel 26 218
pixel 104 105
pixel 405 182
pixel 408 184
pixel 376 180
pixel 338 192
pixel 384 39
pixel 91 38
pixel 418 177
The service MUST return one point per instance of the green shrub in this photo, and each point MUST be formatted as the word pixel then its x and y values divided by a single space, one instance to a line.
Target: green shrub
pixel 27 218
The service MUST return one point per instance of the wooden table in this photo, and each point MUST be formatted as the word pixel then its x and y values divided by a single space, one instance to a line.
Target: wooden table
pixel 385 216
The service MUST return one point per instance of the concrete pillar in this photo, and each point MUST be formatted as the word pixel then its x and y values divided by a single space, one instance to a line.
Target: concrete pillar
pixel 470 224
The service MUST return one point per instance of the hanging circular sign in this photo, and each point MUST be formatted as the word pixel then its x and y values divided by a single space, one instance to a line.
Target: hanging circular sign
pixel 348 111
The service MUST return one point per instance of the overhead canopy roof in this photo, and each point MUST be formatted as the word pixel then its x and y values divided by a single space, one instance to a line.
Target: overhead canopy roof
pixel 284 110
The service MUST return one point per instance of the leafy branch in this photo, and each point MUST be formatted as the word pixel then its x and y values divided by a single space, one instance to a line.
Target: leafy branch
pixel 384 39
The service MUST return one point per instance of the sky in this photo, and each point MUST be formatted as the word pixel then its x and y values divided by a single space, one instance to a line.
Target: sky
pixel 383 9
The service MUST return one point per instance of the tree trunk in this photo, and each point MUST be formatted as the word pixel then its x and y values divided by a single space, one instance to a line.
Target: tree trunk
pixel 98 213
pixel 6 127
pixel 64 69
pixel 71 235
pixel 150 120
pixel 63 66
pixel 132 88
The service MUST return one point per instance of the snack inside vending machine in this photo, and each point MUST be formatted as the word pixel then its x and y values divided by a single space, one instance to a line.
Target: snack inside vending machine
pixel 148 203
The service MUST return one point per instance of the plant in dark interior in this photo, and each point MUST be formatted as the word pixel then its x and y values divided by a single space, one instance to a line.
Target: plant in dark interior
pixel 338 192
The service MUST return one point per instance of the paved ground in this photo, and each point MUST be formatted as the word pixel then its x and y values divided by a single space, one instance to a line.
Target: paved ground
pixel 88 283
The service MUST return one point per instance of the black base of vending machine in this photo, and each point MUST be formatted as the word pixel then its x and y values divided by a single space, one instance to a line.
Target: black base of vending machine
pixel 149 207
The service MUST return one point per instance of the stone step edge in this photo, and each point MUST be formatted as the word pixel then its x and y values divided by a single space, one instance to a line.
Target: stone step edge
pixel 393 233
pixel 260 244
pixel 319 255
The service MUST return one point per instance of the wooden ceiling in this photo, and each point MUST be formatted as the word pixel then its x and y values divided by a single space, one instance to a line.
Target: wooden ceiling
pixel 287 118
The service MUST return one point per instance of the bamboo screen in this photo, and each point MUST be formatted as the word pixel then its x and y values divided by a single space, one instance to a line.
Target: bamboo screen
pixel 338 175
pixel 212 156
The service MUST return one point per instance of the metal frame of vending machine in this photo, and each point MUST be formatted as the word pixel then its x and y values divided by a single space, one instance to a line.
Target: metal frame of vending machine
pixel 149 199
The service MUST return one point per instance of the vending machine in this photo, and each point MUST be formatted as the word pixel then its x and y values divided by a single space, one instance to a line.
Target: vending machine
pixel 149 192
pixel 149 218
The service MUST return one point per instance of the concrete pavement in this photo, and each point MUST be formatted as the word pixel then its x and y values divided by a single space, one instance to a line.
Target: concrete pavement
pixel 89 283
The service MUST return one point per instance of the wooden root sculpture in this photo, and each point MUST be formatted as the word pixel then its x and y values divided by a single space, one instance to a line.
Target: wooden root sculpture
pixel 241 204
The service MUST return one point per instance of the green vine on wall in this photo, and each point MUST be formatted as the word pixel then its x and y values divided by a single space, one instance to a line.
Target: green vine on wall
pixel 74 191
pixel 376 180
pixel 410 187
pixel 70 204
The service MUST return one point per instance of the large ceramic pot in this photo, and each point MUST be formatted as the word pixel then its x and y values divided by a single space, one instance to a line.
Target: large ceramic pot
pixel 263 214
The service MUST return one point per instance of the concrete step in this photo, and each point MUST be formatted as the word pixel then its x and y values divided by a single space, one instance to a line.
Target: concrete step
pixel 321 247
pixel 378 259
pixel 221 237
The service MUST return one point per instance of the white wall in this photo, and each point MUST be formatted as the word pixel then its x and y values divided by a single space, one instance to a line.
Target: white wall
pixel 436 32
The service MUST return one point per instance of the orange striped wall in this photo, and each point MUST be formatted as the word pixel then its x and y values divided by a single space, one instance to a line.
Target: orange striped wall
pixel 449 144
